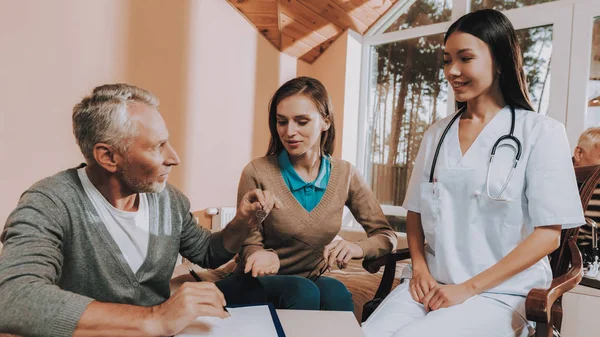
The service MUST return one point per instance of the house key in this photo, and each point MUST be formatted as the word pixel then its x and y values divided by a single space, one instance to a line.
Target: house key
pixel 260 215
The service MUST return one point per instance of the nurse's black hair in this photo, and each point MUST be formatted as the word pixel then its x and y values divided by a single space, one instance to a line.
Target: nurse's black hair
pixel 494 28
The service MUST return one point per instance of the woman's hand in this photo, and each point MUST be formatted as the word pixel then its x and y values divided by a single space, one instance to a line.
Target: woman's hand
pixel 421 284
pixel 262 262
pixel 341 252
pixel 444 296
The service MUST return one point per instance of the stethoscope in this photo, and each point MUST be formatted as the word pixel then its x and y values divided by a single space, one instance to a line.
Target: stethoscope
pixel 509 136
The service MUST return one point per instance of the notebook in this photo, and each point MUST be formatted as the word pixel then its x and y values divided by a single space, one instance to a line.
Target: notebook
pixel 248 320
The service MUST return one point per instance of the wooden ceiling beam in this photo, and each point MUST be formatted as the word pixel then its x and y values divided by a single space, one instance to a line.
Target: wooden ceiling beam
pixel 359 10
pixel 279 22
pixel 295 48
pixel 263 19
pixel 306 28
pixel 334 13
pixel 306 16
pixel 312 55
pixel 300 32
pixel 303 51
pixel 273 34
pixel 255 6
pixel 262 14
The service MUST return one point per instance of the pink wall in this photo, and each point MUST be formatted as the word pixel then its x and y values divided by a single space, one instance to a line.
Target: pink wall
pixel 51 54
pixel 212 71
pixel 231 79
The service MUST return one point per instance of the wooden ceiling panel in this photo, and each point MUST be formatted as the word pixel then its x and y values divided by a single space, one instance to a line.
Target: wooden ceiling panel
pixel 264 15
pixel 359 10
pixel 264 19
pixel 380 6
pixel 306 28
pixel 335 14
pixel 255 6
pixel 304 15
pixel 291 46
pixel 318 50
pixel 272 34
pixel 300 32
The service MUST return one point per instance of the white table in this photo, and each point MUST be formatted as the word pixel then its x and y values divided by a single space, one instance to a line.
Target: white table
pixel 302 323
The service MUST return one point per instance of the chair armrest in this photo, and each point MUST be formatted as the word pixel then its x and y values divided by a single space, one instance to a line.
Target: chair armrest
pixel 373 266
pixel 538 305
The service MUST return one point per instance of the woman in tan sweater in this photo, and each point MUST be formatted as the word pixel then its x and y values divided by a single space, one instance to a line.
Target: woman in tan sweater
pixel 293 246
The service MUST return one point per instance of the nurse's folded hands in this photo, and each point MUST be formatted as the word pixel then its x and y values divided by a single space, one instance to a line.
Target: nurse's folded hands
pixel 444 296
pixel 421 284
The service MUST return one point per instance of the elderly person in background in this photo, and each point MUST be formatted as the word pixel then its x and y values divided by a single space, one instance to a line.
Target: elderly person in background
pixel 90 251
pixel 587 152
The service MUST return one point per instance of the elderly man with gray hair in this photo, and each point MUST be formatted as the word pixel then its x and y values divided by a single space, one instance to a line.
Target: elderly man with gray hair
pixel 587 152
pixel 90 250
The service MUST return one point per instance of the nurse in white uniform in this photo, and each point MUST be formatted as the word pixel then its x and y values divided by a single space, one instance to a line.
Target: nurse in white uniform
pixel 489 225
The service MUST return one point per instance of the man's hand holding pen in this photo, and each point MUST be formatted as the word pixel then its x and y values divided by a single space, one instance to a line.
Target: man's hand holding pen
pixel 193 299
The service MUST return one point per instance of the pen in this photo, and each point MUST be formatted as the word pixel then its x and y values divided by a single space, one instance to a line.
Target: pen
pixel 195 276
pixel 198 279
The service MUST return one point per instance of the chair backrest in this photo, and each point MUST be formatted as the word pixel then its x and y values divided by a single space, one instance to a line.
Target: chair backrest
pixel 588 178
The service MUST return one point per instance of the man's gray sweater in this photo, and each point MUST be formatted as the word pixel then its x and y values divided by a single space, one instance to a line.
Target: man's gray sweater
pixel 58 256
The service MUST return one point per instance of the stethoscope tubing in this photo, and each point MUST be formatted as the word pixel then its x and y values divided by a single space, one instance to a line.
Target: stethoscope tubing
pixel 510 136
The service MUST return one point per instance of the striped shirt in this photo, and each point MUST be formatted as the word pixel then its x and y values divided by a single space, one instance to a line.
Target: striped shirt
pixel 584 239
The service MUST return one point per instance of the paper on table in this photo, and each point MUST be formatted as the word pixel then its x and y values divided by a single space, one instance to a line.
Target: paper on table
pixel 244 321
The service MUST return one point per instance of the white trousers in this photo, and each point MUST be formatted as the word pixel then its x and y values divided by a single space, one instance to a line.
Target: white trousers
pixel 401 316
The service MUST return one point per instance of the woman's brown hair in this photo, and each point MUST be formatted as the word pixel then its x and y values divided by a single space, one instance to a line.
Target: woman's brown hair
pixel 314 90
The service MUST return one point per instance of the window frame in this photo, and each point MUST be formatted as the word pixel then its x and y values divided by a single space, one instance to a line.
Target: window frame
pixel 584 13
pixel 557 13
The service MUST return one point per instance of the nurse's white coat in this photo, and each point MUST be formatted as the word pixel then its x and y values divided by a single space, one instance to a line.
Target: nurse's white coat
pixel 468 232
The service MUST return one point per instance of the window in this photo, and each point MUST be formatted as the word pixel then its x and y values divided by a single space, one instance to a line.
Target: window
pixel 502 5
pixel 408 93
pixel 405 90
pixel 584 81
pixel 422 13
pixel 593 87
pixel 536 48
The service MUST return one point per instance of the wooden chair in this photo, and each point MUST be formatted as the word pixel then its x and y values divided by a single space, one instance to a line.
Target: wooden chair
pixel 543 306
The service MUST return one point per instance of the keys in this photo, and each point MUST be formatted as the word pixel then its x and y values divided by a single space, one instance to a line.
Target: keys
pixel 260 215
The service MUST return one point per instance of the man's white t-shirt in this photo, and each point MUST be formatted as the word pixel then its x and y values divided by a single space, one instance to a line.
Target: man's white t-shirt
pixel 130 230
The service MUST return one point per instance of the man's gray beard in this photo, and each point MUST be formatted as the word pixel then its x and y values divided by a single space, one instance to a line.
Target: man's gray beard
pixel 139 186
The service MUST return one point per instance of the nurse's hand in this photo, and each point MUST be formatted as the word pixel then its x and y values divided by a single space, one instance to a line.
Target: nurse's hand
pixel 421 284
pixel 341 252
pixel 262 262
pixel 444 296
